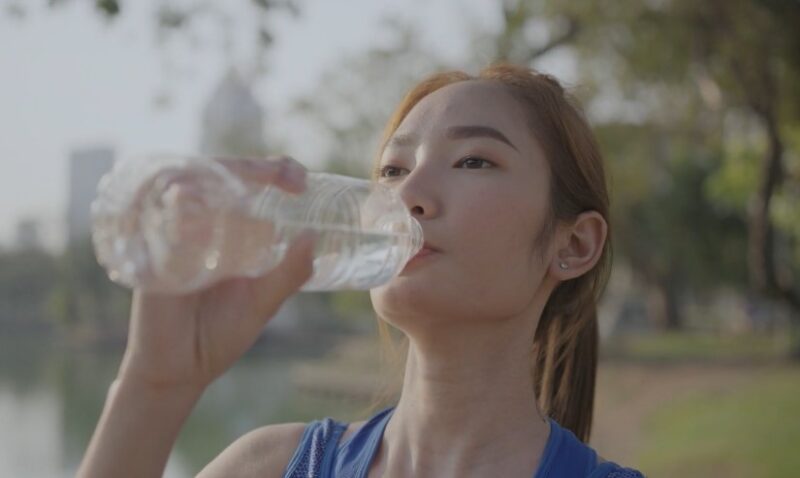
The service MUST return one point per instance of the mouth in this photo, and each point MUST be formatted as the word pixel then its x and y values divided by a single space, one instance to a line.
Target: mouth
pixel 423 255
pixel 427 249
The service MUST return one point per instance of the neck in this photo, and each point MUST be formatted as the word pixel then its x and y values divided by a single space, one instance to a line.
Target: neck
pixel 467 405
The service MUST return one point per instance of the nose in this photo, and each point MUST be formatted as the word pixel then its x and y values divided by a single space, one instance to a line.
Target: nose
pixel 418 191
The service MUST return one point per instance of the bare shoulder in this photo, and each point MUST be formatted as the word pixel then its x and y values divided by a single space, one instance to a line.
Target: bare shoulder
pixel 264 452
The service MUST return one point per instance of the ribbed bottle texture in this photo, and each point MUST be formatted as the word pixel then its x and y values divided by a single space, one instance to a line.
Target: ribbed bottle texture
pixel 175 224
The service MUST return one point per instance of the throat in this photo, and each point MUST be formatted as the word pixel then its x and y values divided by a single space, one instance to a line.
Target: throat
pixel 407 449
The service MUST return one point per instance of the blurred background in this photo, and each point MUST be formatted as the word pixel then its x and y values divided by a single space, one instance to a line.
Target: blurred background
pixel 697 108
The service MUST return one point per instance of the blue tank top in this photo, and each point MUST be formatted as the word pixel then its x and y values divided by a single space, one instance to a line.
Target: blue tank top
pixel 320 455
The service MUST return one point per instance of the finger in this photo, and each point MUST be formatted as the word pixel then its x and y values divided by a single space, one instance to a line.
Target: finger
pixel 282 171
pixel 287 277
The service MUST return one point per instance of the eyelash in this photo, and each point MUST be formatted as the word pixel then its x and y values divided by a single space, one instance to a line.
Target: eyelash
pixel 384 169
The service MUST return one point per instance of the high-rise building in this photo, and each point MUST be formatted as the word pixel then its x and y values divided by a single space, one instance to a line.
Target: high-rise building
pixel 233 125
pixel 233 120
pixel 86 167
pixel 27 234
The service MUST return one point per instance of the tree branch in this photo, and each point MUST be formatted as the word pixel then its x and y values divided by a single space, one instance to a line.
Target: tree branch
pixel 573 27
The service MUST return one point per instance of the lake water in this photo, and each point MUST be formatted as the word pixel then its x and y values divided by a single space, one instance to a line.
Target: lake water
pixel 51 398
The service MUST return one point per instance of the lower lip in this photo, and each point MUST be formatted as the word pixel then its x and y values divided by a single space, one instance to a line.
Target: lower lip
pixel 421 256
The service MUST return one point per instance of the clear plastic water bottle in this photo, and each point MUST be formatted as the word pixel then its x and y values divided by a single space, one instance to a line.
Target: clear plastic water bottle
pixel 175 224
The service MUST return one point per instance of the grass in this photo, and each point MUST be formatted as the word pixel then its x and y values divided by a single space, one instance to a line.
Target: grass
pixel 700 347
pixel 305 408
pixel 754 431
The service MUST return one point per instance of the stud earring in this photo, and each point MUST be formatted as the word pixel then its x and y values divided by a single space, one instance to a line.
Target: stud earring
pixel 563 265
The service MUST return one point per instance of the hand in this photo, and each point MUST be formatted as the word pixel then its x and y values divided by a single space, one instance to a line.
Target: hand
pixel 186 341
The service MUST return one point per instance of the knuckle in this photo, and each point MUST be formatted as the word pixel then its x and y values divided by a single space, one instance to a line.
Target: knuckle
pixel 280 159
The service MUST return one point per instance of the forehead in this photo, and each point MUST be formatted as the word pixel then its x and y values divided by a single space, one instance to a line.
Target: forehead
pixel 475 102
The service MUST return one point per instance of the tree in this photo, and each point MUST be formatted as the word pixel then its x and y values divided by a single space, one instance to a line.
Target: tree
pixel 195 25
pixel 695 70
pixel 85 303
pixel 352 102
pixel 27 278
pixel 665 223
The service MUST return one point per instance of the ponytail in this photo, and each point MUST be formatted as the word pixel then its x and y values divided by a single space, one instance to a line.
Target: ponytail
pixel 565 349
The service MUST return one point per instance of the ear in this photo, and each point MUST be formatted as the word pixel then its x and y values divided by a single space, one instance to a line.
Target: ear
pixel 580 246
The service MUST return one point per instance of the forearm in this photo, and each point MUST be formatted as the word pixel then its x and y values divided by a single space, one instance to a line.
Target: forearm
pixel 136 431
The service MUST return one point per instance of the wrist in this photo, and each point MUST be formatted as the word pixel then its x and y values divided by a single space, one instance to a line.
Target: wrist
pixel 144 376
pixel 149 390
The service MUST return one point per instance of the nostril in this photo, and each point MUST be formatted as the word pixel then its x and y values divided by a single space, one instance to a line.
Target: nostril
pixel 417 210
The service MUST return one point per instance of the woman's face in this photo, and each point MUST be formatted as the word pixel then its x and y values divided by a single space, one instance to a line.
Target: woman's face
pixel 467 166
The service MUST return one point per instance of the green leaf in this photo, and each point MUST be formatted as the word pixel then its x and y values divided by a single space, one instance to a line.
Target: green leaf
pixel 109 8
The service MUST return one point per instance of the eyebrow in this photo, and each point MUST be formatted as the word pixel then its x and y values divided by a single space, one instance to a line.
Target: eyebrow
pixel 455 132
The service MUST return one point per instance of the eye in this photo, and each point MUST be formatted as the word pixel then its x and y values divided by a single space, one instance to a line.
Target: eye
pixel 389 171
pixel 474 162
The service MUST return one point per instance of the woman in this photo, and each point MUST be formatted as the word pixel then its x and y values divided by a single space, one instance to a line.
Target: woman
pixel 507 181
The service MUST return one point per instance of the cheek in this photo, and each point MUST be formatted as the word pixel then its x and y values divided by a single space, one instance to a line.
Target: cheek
pixel 494 270
pixel 498 238
pixel 504 253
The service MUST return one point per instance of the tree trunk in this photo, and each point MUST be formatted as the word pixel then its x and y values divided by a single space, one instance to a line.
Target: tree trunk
pixel 762 270
pixel 664 304
pixel 760 257
pixel 672 313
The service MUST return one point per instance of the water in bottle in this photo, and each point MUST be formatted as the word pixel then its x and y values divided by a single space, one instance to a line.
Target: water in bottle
pixel 175 224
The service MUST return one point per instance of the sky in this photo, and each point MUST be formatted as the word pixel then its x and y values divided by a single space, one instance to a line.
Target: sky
pixel 69 79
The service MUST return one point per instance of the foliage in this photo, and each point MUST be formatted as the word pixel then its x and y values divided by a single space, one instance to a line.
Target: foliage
pixel 27 278
pixel 70 291
pixel 186 29
pixel 85 300
pixel 353 101
pixel 664 221
pixel 712 86
pixel 738 61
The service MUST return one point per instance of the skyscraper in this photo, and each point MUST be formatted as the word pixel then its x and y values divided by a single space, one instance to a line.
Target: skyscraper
pixel 86 167
pixel 27 234
pixel 233 125
pixel 233 120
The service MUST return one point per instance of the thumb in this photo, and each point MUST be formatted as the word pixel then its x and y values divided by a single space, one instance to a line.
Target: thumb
pixel 287 277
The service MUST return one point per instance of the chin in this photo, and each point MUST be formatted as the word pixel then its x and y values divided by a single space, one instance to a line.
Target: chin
pixel 409 301
pixel 402 301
